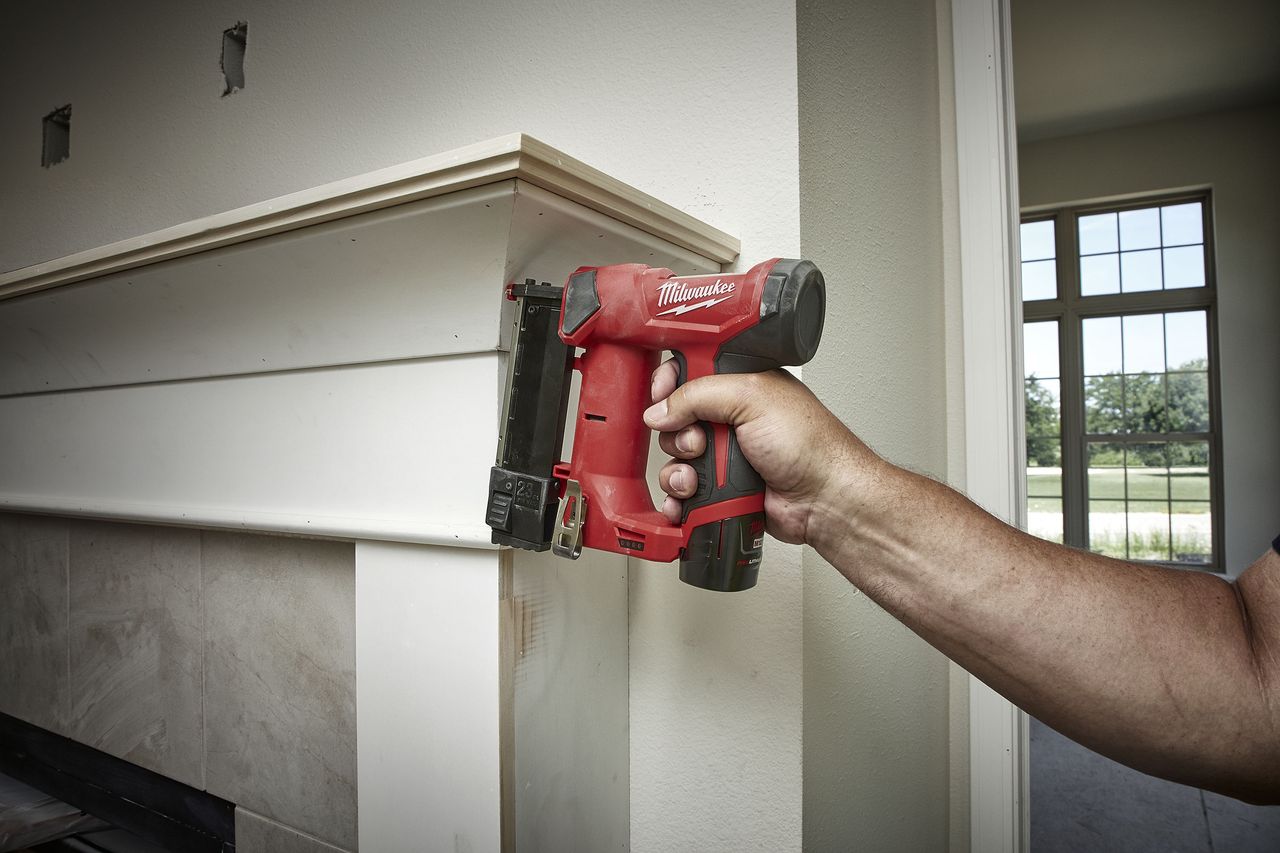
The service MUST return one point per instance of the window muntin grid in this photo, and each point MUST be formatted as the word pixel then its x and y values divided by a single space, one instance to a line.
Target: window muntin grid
pixel 1157 436
pixel 1141 249
pixel 1038 259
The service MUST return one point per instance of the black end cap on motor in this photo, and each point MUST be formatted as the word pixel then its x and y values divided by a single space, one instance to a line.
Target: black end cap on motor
pixel 800 304
pixel 793 308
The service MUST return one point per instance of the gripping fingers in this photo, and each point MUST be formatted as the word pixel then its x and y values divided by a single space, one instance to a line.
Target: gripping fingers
pixel 678 479
pixel 673 509
pixel 687 443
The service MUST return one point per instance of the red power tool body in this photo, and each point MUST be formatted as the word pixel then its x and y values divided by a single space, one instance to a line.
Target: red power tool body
pixel 623 317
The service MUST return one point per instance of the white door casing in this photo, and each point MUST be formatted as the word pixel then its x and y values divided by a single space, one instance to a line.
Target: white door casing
pixel 987 174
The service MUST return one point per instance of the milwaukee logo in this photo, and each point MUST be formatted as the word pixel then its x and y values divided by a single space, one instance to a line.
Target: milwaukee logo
pixel 681 295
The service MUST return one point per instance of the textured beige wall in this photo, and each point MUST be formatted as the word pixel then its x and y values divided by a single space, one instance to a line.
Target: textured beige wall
pixel 1234 153
pixel 872 216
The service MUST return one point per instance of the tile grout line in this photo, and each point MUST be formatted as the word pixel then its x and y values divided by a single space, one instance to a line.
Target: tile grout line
pixel 1204 810
pixel 273 822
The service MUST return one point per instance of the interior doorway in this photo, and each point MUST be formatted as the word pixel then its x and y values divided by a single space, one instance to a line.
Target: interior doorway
pixel 1137 121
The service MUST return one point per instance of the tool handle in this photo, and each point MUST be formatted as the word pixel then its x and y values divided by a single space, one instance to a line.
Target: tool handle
pixel 723 554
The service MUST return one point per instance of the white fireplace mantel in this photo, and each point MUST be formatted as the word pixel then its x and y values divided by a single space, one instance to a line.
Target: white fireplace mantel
pixel 330 364
pixel 318 363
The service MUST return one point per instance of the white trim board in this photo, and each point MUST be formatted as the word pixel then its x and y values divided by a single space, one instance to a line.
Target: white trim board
pixel 493 697
pixel 412 531
pixel 428 739
pixel 341 380
pixel 513 156
pixel 987 175
pixel 381 451
pixel 422 279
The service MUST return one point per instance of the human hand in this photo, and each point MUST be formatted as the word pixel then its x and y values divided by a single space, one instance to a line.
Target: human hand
pixel 802 451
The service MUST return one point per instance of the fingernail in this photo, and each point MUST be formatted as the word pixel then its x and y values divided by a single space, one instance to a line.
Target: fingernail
pixel 677 479
pixel 656 412
pixel 684 441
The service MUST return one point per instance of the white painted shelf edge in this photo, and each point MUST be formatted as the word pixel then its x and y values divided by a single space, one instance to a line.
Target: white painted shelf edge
pixel 258 521
pixel 516 155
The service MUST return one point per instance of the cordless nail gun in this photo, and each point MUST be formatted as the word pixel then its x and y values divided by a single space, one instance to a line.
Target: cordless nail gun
pixel 623 317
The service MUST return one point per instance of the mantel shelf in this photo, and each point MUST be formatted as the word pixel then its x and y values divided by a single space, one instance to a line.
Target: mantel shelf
pixel 513 156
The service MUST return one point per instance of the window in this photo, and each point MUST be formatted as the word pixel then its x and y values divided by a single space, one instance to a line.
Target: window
pixel 1119 340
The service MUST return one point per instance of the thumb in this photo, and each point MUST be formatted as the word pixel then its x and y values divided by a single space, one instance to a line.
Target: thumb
pixel 726 399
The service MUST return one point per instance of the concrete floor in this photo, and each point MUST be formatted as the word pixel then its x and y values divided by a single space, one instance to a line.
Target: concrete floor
pixel 1081 801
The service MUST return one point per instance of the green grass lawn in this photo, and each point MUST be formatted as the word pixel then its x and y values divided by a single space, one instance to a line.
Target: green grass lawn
pixel 1148 489
pixel 1141 535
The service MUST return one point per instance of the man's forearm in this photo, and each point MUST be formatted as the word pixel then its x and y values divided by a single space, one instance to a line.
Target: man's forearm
pixel 1176 673
pixel 1153 666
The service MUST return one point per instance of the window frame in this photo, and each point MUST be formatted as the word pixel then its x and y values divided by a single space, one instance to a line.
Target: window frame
pixel 1069 309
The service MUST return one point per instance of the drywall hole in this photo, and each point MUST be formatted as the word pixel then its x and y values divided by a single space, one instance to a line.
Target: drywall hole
pixel 56 145
pixel 234 42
